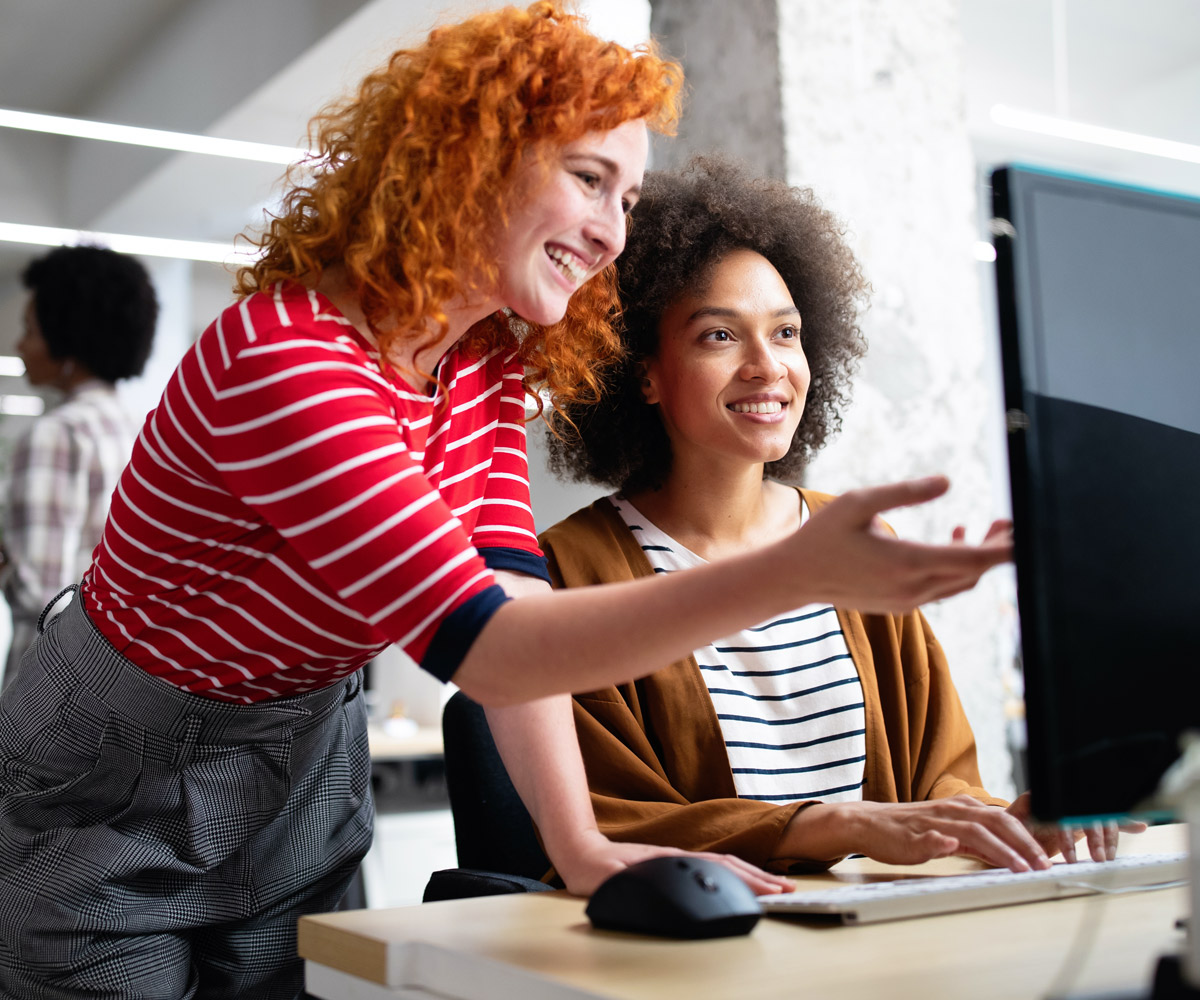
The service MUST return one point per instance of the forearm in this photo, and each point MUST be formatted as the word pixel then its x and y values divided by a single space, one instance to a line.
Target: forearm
pixel 540 751
pixel 750 830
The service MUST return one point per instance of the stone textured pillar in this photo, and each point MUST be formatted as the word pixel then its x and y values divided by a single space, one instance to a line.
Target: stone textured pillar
pixel 730 56
pixel 875 123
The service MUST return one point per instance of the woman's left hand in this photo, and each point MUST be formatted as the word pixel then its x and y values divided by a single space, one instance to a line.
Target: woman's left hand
pixel 596 857
pixel 1102 838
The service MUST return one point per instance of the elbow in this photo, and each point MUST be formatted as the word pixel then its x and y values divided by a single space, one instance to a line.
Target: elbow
pixel 488 687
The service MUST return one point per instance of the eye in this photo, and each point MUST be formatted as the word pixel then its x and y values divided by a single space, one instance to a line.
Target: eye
pixel 627 205
pixel 789 333
pixel 589 179
pixel 720 336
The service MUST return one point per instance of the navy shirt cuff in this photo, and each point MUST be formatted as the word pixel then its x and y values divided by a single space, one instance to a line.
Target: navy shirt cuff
pixel 459 630
pixel 516 561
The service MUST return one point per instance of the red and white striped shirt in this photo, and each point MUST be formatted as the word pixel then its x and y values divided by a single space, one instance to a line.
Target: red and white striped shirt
pixel 290 510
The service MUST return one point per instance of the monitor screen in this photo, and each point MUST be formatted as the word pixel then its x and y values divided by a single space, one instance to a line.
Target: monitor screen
pixel 1099 301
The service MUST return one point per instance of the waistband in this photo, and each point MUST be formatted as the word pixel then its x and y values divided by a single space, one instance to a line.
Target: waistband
pixel 74 654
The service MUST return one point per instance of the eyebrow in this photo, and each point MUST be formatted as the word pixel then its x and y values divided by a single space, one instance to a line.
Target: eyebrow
pixel 610 165
pixel 719 312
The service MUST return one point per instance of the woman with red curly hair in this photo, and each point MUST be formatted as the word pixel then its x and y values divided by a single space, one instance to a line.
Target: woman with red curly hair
pixel 338 464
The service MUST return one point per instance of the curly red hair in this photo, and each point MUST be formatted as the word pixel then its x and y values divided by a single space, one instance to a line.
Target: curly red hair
pixel 410 175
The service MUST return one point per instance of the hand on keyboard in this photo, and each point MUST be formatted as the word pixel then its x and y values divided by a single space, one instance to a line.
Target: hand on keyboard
pixel 1101 838
pixel 906 833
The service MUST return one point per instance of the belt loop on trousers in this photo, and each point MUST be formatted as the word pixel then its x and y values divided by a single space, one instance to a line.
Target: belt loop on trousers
pixel 183 749
pixel 41 622
pixel 353 686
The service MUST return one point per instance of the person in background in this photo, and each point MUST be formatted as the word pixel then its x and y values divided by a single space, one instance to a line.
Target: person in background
pixel 815 733
pixel 88 323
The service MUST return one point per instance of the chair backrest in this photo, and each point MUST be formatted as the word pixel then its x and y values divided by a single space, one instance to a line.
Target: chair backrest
pixel 492 828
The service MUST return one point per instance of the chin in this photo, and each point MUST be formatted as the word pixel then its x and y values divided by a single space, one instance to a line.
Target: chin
pixel 541 315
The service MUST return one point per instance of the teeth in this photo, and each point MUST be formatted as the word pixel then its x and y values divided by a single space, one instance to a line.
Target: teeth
pixel 570 265
pixel 772 407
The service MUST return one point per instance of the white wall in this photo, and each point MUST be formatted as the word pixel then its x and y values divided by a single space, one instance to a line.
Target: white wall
pixel 875 122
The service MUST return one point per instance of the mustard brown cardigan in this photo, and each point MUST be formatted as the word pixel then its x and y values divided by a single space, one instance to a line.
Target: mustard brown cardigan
pixel 655 758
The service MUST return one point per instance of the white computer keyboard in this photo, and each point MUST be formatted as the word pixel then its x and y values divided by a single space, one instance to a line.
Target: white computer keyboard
pixel 867 902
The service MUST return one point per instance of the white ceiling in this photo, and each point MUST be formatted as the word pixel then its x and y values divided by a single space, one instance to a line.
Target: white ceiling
pixel 175 64
pixel 56 54
pixel 1115 63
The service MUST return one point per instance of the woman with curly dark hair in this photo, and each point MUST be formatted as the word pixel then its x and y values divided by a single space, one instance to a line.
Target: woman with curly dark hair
pixel 822 730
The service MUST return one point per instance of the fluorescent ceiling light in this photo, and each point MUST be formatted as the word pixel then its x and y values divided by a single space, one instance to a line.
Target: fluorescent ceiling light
pixel 142 246
pixel 155 138
pixel 11 365
pixel 984 252
pixel 1097 135
pixel 22 406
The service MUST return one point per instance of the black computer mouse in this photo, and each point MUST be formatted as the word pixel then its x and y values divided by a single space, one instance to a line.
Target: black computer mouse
pixel 680 897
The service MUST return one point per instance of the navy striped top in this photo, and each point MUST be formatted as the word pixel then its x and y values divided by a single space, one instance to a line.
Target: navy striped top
pixel 786 692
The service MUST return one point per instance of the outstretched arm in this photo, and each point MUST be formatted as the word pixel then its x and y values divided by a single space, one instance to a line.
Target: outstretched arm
pixel 592 637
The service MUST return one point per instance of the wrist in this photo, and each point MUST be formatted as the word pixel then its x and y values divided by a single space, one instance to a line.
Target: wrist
pixel 814 833
pixel 572 842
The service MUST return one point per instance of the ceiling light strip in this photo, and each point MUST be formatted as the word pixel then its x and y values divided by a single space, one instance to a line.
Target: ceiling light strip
pixel 142 246
pixel 183 142
pixel 22 406
pixel 1097 135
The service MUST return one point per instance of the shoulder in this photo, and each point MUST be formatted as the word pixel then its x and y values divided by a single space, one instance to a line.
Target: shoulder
pixel 53 429
pixel 284 332
pixel 591 546
pixel 596 523
pixel 281 316
pixel 814 500
pixel 51 445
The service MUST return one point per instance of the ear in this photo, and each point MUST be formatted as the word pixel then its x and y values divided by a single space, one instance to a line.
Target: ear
pixel 649 386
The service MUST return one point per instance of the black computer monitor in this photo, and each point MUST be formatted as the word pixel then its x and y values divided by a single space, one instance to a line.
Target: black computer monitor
pixel 1099 303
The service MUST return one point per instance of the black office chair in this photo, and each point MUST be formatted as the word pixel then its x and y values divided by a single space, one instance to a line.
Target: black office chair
pixel 498 852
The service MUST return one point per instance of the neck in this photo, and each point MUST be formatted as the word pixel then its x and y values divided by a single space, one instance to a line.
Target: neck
pixel 411 352
pixel 72 379
pixel 721 512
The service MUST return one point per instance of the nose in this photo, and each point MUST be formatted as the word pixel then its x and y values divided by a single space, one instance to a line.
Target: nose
pixel 606 227
pixel 760 363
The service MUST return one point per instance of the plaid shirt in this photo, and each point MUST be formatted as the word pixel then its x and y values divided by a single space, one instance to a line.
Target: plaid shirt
pixel 64 470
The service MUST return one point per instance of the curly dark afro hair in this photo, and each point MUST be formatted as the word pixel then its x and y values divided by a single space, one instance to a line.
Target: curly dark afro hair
pixel 95 306
pixel 683 225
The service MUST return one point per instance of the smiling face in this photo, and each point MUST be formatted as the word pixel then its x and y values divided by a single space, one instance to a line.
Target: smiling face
pixel 569 220
pixel 730 376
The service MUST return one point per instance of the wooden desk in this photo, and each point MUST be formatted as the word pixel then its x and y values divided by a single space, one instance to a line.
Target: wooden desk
pixel 541 947
pixel 426 742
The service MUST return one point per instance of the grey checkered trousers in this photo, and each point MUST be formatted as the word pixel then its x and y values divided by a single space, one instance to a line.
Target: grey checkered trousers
pixel 156 844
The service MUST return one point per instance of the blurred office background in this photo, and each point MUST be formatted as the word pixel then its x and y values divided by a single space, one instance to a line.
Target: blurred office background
pixel 894 111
